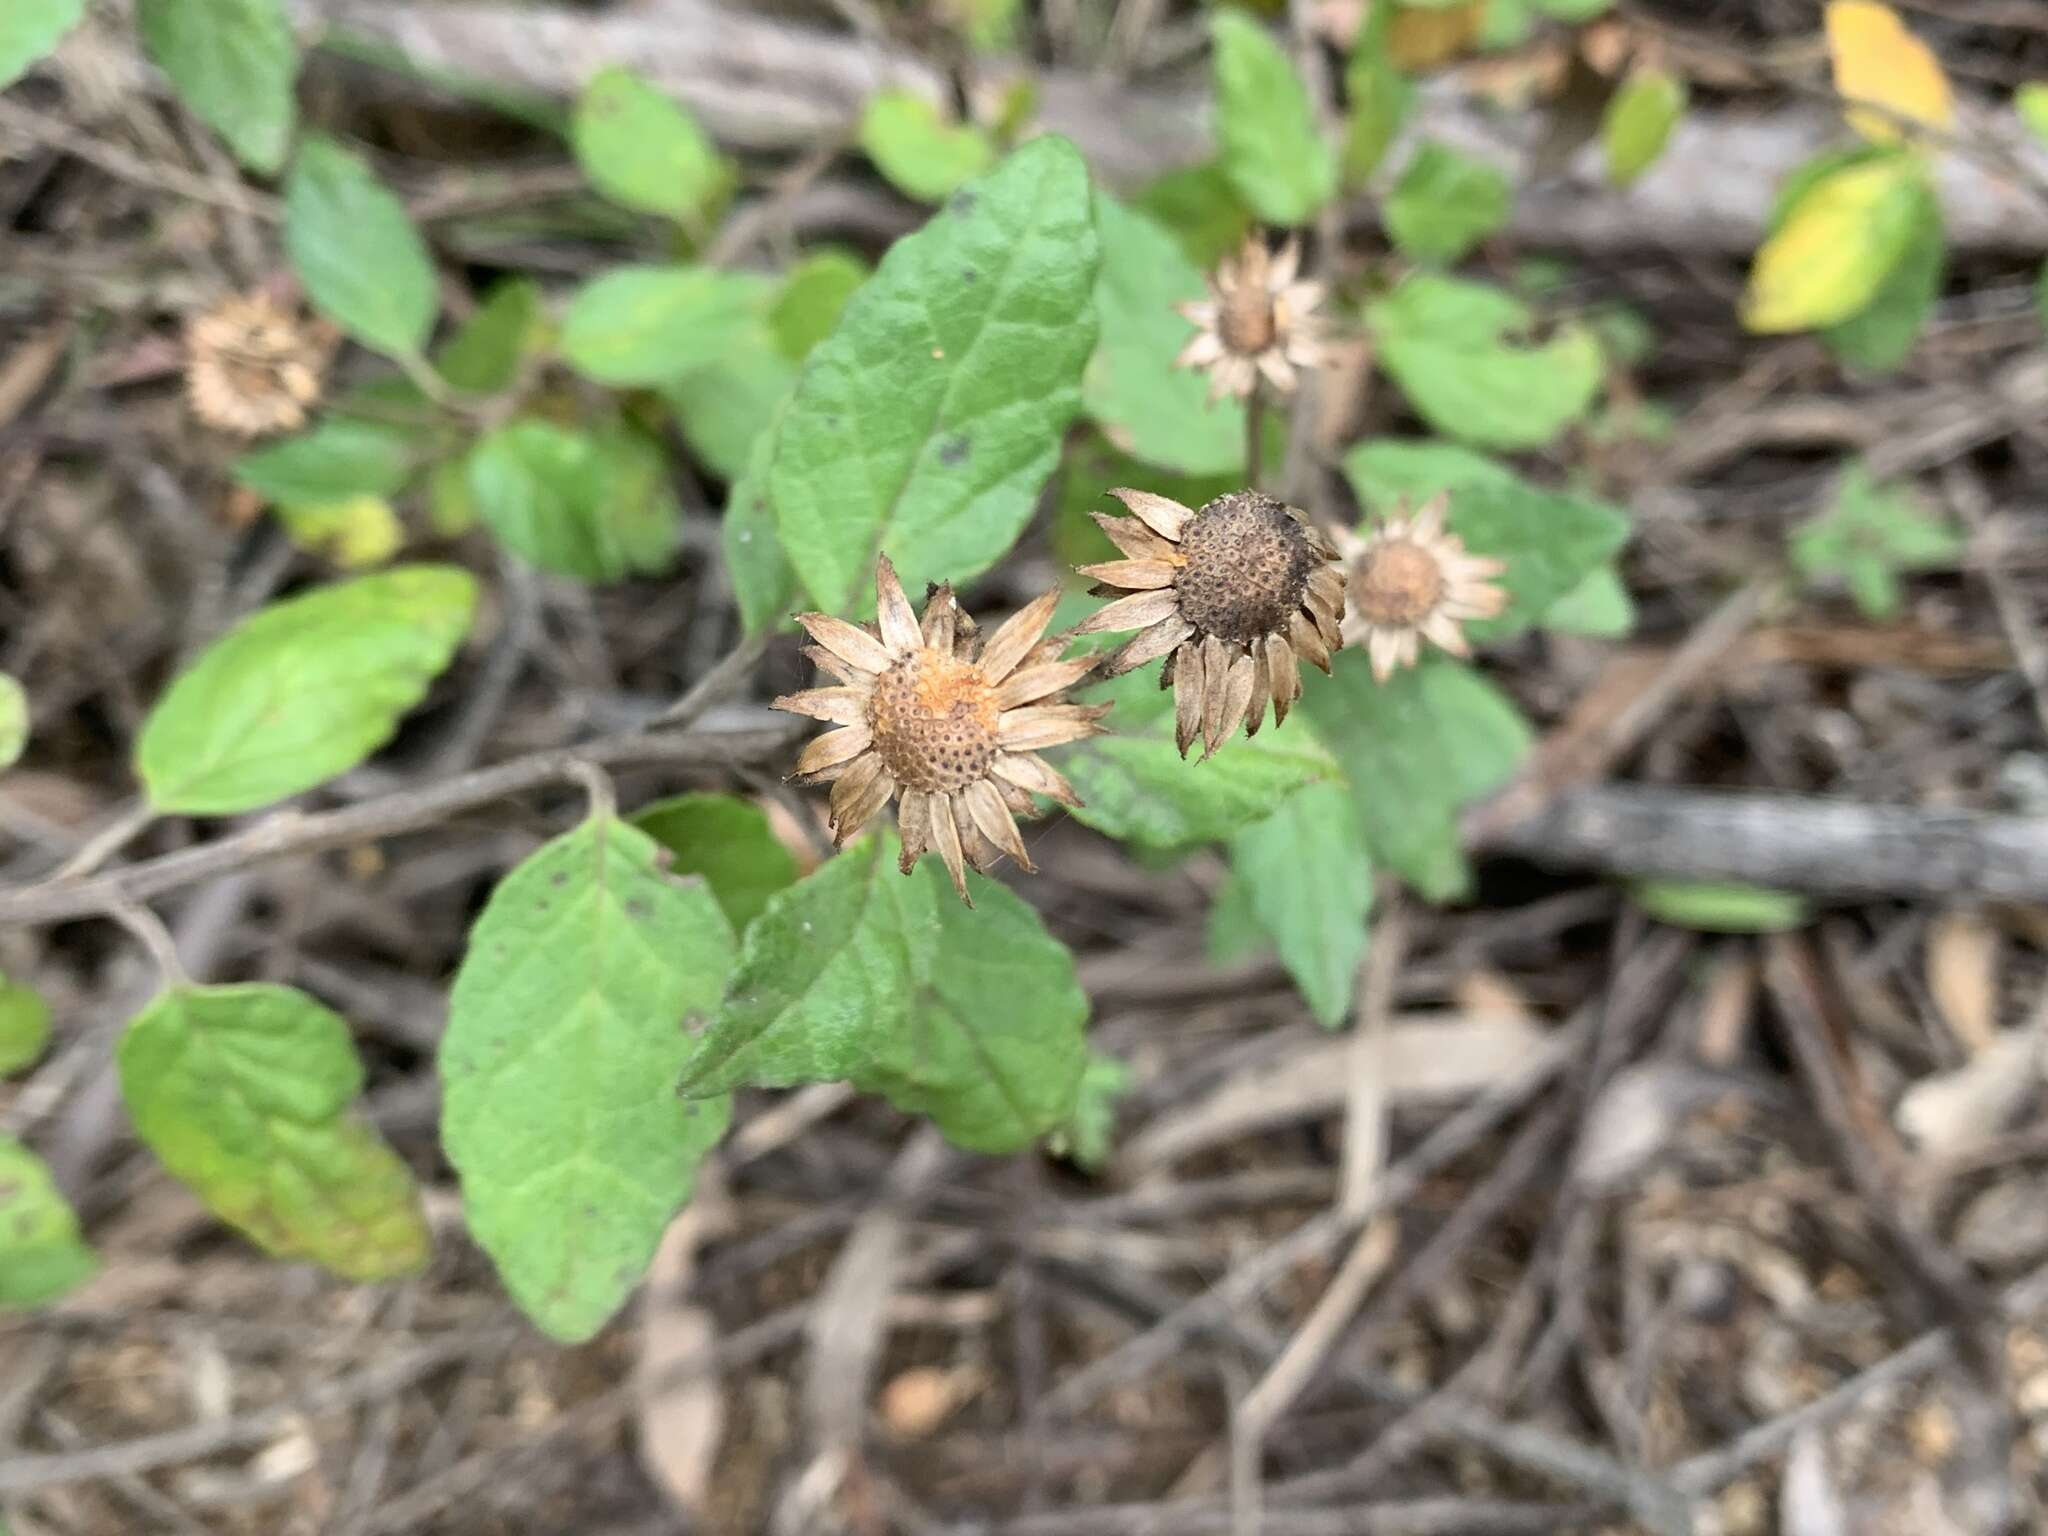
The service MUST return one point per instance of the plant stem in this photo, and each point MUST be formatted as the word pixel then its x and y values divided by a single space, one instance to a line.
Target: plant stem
pixel 1254 434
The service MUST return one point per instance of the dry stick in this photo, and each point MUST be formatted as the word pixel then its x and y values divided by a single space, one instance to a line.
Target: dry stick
pixel 1456 1134
pixel 23 1474
pixel 297 832
pixel 2021 632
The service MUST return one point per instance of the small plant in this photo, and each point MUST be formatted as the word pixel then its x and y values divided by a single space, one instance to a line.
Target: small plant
pixel 882 434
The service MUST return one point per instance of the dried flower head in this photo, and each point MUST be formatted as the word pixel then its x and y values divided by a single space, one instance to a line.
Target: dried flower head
pixel 1236 592
pixel 950 728
pixel 1257 320
pixel 1410 581
pixel 253 367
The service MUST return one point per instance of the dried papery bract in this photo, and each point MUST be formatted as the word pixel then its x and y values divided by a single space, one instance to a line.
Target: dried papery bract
pixel 253 367
pixel 1410 581
pixel 1235 595
pixel 951 728
pixel 1258 322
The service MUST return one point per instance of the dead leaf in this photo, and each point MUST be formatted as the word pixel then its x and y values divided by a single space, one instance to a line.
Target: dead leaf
pixel 1962 975
pixel 1420 40
pixel 1951 1113
pixel 1877 60
pixel 917 1401
pixel 679 1412
pixel 1727 1009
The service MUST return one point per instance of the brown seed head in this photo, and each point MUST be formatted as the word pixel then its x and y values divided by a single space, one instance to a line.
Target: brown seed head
pixel 1248 562
pixel 1396 583
pixel 1245 319
pixel 934 722
pixel 254 367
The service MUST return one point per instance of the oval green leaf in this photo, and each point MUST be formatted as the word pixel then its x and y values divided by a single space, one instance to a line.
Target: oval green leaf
pixel 593 505
pixel 971 1016
pixel 41 1253
pixel 234 63
pixel 301 691
pixel 364 265
pixel 24 1026
pixel 643 151
pixel 1445 203
pixel 729 842
pixel 245 1093
pixel 930 419
pixel 1270 145
pixel 568 1027
pixel 646 325
pixel 1306 876
pixel 340 458
pixel 1638 123
pixel 920 153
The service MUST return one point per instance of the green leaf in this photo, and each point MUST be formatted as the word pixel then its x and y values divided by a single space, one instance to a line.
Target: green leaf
pixel 339 458
pixel 1416 750
pixel 971 1016
pixel 813 297
pixel 647 325
pixel 568 1026
pixel 2030 101
pixel 235 64
pixel 1444 204
pixel 643 151
pixel 1085 1139
pixel 14 721
pixel 364 265
pixel 1378 96
pixel 30 31
pixel 920 153
pixel 595 505
pixel 1573 10
pixel 1549 542
pixel 929 420
pixel 1137 788
pixel 1868 537
pixel 724 408
pixel 1200 209
pixel 763 581
pixel 244 1092
pixel 1146 406
pixel 1838 243
pixel 1599 607
pixel 1638 123
pixel 24 1026
pixel 1881 337
pixel 301 691
pixel 1452 348
pixel 729 842
pixel 1720 908
pixel 1307 879
pixel 1271 148
pixel 355 533
pixel 41 1253
pixel 486 353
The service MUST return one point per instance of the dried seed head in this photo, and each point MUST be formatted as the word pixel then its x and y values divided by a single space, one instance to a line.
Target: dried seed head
pixel 1245 319
pixel 935 721
pixel 1397 582
pixel 253 367
pixel 1247 565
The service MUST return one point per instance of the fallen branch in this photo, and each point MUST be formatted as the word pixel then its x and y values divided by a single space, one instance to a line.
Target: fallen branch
pixel 764 84
pixel 1791 842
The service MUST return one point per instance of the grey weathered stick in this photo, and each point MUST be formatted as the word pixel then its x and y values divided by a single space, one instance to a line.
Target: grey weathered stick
pixel 1792 842
pixel 295 832
pixel 764 84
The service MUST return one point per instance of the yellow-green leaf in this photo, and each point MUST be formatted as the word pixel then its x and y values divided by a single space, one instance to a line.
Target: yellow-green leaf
pixel 922 154
pixel 355 533
pixel 1639 120
pixel 41 1255
pixel 24 1026
pixel 14 720
pixel 245 1093
pixel 1876 60
pixel 301 691
pixel 1836 247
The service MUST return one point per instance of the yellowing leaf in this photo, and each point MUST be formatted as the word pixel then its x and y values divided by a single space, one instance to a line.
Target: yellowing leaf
pixel 1422 39
pixel 354 533
pixel 1878 61
pixel 1833 252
